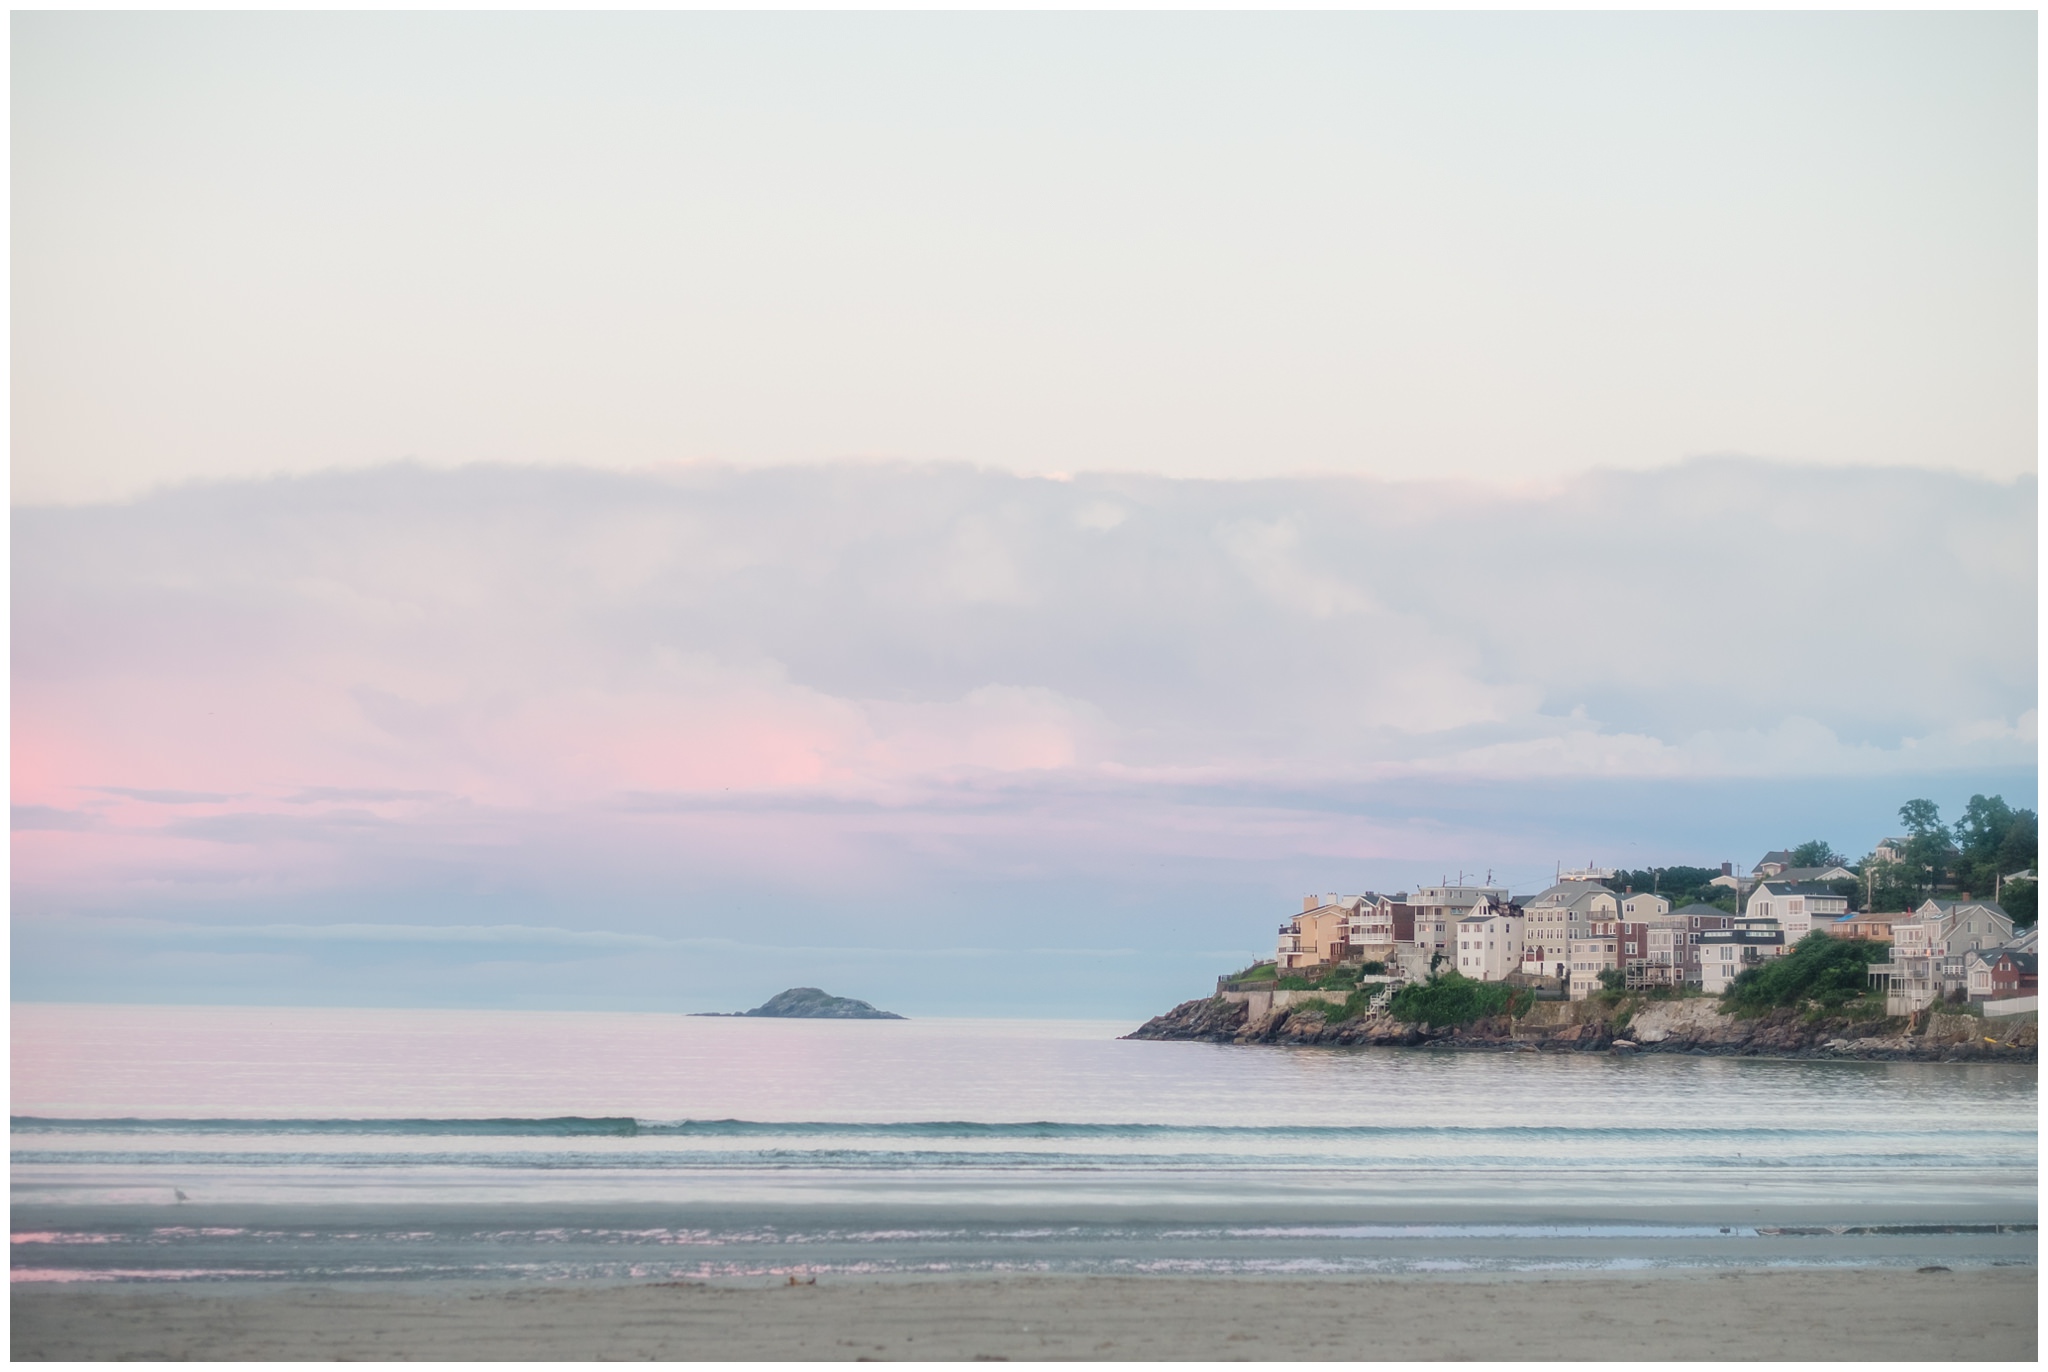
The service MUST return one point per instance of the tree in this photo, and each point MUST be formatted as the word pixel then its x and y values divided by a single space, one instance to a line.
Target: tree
pixel 1993 840
pixel 2021 900
pixel 2019 850
pixel 1922 818
pixel 1816 852
pixel 1929 849
pixel 1828 971
pixel 1983 827
pixel 1681 886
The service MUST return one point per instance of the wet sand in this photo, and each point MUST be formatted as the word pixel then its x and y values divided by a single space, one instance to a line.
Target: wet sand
pixel 1840 1314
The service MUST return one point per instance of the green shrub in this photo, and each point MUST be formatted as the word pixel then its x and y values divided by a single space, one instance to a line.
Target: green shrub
pixel 1337 1012
pixel 1455 999
pixel 1374 969
pixel 1832 973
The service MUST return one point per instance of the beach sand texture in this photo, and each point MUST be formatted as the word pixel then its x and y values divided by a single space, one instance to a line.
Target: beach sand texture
pixel 1842 1314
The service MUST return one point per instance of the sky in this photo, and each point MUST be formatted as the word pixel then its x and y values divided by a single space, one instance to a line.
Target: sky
pixel 983 512
pixel 1501 247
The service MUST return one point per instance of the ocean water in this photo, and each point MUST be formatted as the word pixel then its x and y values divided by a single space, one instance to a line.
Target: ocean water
pixel 222 1144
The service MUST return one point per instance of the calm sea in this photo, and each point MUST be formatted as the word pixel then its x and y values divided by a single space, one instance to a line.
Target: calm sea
pixel 383 1143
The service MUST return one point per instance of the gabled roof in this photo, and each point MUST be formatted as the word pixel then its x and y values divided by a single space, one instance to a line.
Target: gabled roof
pixel 2024 962
pixel 1816 873
pixel 1697 908
pixel 1573 895
pixel 1950 907
pixel 1795 888
pixel 1782 857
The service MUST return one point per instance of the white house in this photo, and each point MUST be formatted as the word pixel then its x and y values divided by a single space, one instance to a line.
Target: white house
pixel 1726 954
pixel 1797 906
pixel 1439 908
pixel 1490 942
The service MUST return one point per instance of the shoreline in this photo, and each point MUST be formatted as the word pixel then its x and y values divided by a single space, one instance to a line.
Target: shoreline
pixel 1831 1314
pixel 1690 1026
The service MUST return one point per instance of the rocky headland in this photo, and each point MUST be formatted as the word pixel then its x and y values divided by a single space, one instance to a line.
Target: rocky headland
pixel 1696 1025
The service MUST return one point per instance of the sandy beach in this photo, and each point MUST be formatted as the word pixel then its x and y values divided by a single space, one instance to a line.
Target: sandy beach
pixel 1844 1314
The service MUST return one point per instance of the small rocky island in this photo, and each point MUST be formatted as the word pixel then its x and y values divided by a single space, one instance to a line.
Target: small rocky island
pixel 808 1002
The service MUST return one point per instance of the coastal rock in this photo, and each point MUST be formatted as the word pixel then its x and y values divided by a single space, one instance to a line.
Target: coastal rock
pixel 1695 1025
pixel 1214 1020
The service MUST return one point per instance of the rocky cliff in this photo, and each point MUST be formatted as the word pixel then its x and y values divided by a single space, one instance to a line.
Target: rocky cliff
pixel 1635 1024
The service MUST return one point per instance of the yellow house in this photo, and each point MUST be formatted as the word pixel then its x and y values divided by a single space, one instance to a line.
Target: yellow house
pixel 1319 934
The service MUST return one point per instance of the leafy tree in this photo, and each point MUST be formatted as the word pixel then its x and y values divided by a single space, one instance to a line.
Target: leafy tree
pixel 1922 819
pixel 1679 885
pixel 1991 840
pixel 1930 850
pixel 2021 901
pixel 1816 852
pixel 2020 849
pixel 1823 969
pixel 1983 826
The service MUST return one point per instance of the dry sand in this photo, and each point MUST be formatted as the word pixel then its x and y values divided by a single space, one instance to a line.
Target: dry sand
pixel 1891 1314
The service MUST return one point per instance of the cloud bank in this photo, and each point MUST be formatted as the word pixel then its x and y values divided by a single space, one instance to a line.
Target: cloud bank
pixel 916 706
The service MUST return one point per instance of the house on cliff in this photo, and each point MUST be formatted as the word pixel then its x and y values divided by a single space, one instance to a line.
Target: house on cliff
pixel 1490 942
pixel 1930 949
pixel 1439 908
pixel 1726 954
pixel 1798 906
pixel 1557 916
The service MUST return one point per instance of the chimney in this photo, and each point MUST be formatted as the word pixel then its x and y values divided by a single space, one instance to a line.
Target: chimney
pixel 1308 903
pixel 1727 869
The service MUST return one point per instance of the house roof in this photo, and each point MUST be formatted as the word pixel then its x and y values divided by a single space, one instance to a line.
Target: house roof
pixel 1950 907
pixel 1781 856
pixel 1795 888
pixel 2024 962
pixel 1697 908
pixel 1573 895
pixel 1815 873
